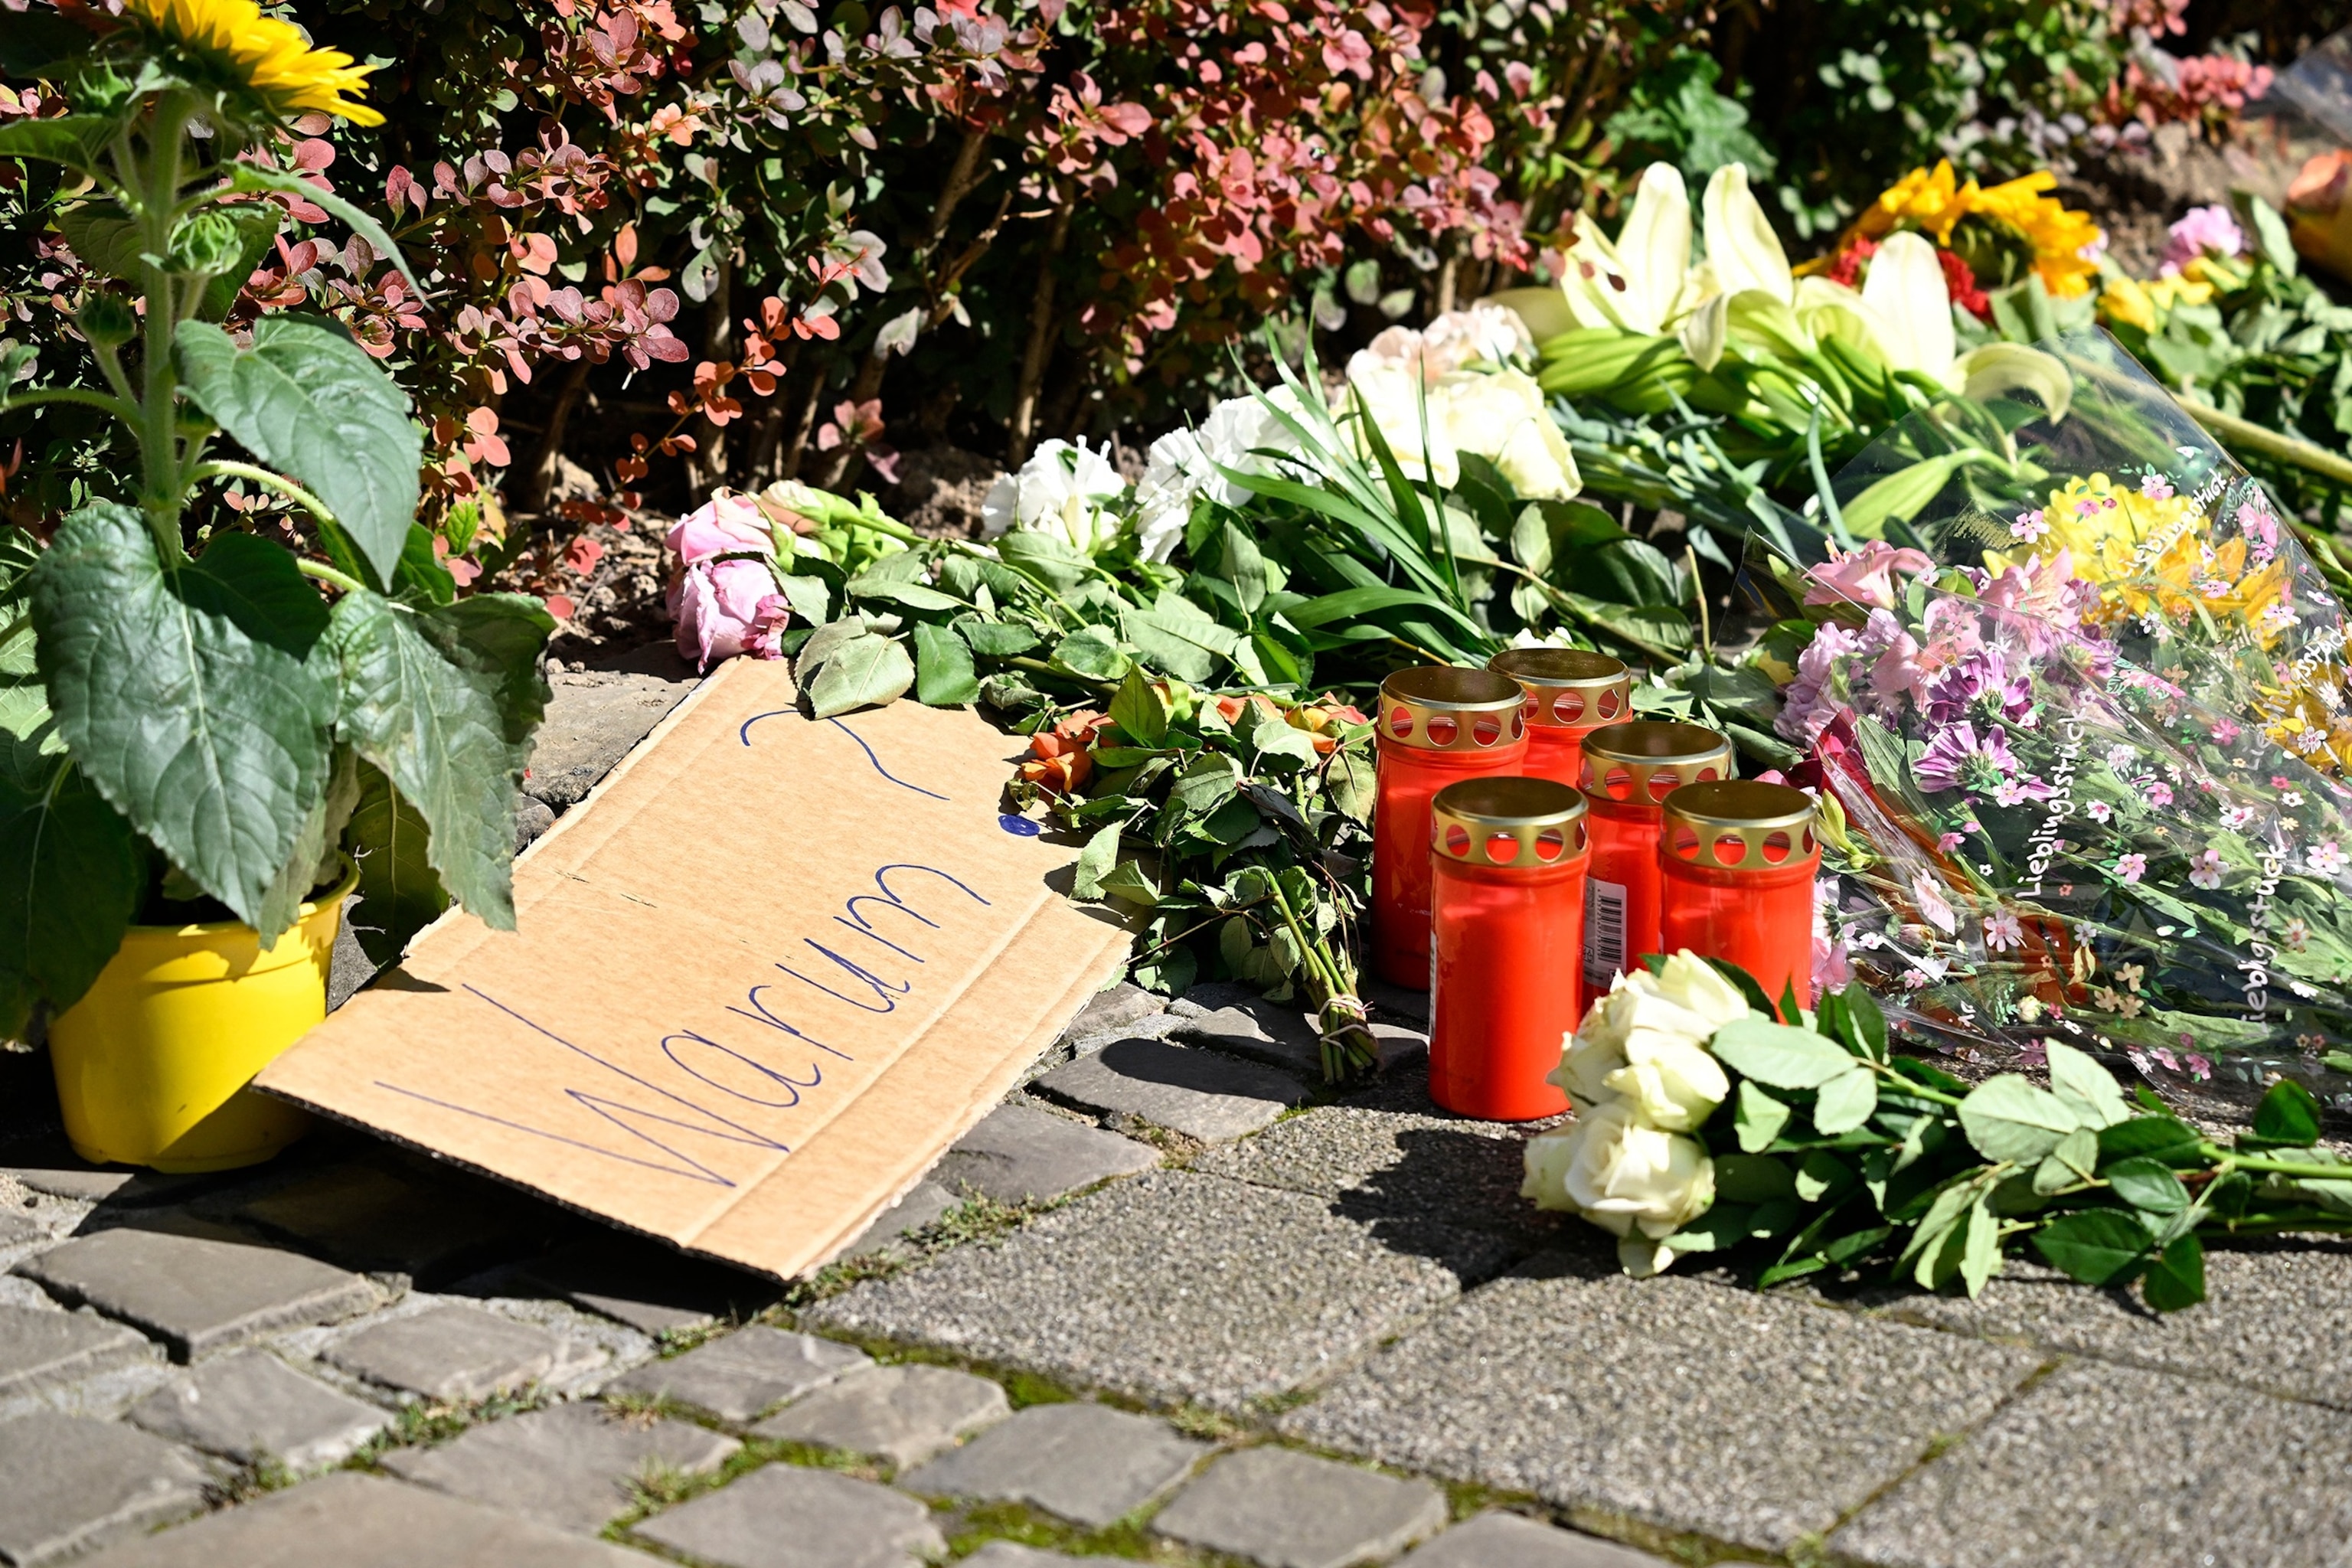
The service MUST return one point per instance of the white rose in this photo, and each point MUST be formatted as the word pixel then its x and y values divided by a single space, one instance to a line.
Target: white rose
pixel 1392 399
pixel 1500 416
pixel 1547 1155
pixel 1671 1083
pixel 1691 982
pixel 1639 1022
pixel 1062 489
pixel 1625 1177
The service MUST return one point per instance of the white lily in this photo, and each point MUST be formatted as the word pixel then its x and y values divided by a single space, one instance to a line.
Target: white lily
pixel 1740 245
pixel 1908 306
pixel 1640 282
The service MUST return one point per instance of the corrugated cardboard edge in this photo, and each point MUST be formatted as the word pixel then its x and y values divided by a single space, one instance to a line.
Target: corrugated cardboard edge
pixel 864 1206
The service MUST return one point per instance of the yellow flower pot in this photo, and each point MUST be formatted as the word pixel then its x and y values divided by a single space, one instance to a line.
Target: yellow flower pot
pixel 152 1065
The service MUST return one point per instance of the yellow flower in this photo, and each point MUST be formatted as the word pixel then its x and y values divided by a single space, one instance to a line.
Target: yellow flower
pixel 2144 305
pixel 1934 200
pixel 232 45
pixel 2155 552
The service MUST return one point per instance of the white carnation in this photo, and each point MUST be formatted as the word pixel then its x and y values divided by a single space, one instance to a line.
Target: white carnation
pixel 1063 488
pixel 1184 466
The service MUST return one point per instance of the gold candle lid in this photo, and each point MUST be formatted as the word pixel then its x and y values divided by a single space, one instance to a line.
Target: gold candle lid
pixel 1738 825
pixel 1569 685
pixel 1445 708
pixel 1646 760
pixel 1517 823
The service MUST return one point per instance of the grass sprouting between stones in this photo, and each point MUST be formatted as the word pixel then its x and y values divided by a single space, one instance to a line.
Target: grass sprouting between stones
pixel 428 1424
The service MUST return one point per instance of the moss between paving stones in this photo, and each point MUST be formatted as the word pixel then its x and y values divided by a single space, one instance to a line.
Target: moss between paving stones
pixel 428 1424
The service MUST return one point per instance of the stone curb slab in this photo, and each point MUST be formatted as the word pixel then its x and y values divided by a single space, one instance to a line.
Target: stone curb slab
pixel 1508 1540
pixel 1022 1154
pixel 351 1520
pixel 42 1349
pixel 1086 1462
pixel 452 1352
pixel 198 1292
pixel 1285 1509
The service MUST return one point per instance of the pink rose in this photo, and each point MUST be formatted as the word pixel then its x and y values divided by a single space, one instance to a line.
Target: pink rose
pixel 726 524
pixel 726 608
pixel 1865 577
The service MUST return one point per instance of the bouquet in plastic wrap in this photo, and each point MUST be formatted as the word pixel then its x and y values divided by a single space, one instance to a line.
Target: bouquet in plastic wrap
pixel 2075 704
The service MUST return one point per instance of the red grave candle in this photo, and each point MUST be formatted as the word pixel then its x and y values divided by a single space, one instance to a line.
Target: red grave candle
pixel 1739 859
pixel 1628 769
pixel 1438 725
pixel 1571 693
pixel 1506 927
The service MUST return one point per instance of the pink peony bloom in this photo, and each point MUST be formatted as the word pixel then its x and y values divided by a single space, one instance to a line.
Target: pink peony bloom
pixel 726 524
pixel 726 608
pixel 2202 231
pixel 1867 577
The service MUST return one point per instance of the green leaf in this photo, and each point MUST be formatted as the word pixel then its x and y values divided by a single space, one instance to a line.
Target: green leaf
pixel 2271 236
pixel 187 708
pixel 256 226
pixel 811 597
pixel 1350 781
pixel 2090 1091
pixel 1093 653
pixel 77 140
pixel 2287 1115
pixel 398 893
pixel 2147 1187
pixel 1758 1118
pixel 1136 709
pixel 1935 1227
pixel 440 732
pixel 2006 1118
pixel 1823 1175
pixel 1176 644
pixel 1275 738
pixel 317 860
pixel 1980 1251
pixel 1752 1178
pixel 1847 1101
pixel 996 640
pixel 914 595
pixel 1778 1055
pixel 2177 1278
pixel 822 643
pixel 1127 880
pixel 2164 1138
pixel 944 676
pixel 1046 558
pixel 249 177
pixel 70 879
pixel 1208 783
pixel 868 672
pixel 309 401
pixel 1918 1071
pixel 2097 1246
pixel 104 237
pixel 1096 860
pixel 2074 1159
pixel 500 638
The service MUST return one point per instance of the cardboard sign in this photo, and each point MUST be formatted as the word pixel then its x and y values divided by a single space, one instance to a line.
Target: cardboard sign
pixel 764 976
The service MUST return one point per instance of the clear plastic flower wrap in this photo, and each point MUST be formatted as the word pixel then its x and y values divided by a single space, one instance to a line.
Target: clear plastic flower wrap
pixel 2062 758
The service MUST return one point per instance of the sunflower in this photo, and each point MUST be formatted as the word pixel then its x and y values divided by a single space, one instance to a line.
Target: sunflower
pixel 229 45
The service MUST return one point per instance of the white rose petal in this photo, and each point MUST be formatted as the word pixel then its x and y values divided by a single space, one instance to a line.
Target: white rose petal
pixel 1547 1157
pixel 1064 489
pixel 1672 1083
pixel 1692 983
pixel 1625 1176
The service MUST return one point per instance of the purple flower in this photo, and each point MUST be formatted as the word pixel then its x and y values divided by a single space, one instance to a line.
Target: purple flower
pixel 1809 707
pixel 2029 526
pixel 1949 757
pixel 2205 869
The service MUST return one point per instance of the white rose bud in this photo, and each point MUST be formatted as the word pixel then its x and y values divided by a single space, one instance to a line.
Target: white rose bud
pixel 1639 1021
pixel 1548 1154
pixel 1691 982
pixel 1674 1084
pixel 1623 1176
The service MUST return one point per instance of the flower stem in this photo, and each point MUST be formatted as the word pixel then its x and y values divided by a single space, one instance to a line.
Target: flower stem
pixel 158 195
pixel 121 409
pixel 328 575
pixel 2313 1171
pixel 230 468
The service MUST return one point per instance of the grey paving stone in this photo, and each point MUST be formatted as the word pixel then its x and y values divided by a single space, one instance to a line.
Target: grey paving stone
pixel 248 1403
pixel 198 1292
pixel 593 718
pixel 72 1484
pixel 452 1352
pixel 1019 1152
pixel 786 1517
pixel 745 1375
pixel 904 1414
pixel 1508 1540
pixel 1395 1000
pixel 1295 1511
pixel 571 1466
pixel 1013 1555
pixel 52 1167
pixel 651 1287
pixel 351 1520
pixel 2278 1318
pixel 1283 1037
pixel 925 1204
pixel 1198 1093
pixel 1107 1013
pixel 376 1220
pixel 42 1349
pixel 18 1227
pixel 1384 1165
pixel 1086 1462
pixel 1176 1286
pixel 1210 994
pixel 2105 1465
pixel 1685 1404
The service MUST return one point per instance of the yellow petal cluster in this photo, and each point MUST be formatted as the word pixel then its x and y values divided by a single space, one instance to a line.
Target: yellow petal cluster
pixel 2145 305
pixel 1934 200
pixel 268 58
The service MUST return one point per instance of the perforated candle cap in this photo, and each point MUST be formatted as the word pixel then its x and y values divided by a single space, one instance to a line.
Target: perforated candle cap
pixel 1739 824
pixel 1517 823
pixel 1568 687
pixel 1646 760
pixel 1446 708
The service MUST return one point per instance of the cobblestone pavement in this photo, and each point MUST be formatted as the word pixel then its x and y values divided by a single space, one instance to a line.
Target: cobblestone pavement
pixel 1179 1304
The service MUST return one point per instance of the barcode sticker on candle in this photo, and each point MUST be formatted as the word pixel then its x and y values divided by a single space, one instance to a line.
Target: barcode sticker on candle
pixel 1604 930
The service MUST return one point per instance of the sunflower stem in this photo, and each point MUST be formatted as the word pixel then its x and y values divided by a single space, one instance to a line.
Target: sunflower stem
pixel 158 426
